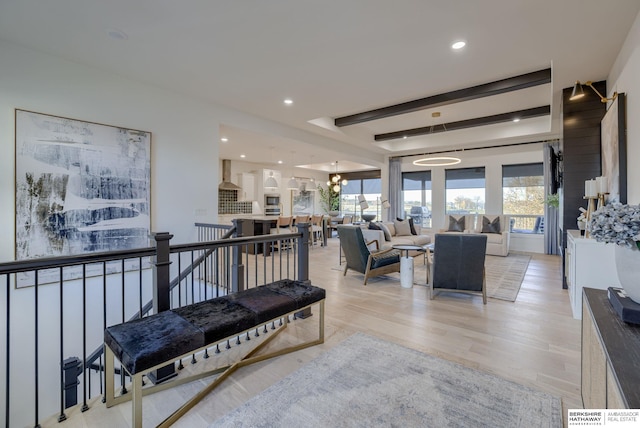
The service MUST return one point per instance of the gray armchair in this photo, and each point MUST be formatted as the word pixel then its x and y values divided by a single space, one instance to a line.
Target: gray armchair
pixel 458 264
pixel 359 258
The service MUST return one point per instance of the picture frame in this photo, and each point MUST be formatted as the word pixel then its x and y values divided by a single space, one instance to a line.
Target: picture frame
pixel 613 146
pixel 80 187
pixel 302 202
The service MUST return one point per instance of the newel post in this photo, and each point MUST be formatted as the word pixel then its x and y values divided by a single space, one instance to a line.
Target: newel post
pixel 244 227
pixel 161 272
pixel 303 252
pixel 161 293
pixel 303 262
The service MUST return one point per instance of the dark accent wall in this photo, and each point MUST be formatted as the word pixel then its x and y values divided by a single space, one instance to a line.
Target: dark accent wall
pixel 580 147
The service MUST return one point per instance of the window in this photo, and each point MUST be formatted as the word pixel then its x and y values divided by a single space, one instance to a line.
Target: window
pixel 465 191
pixel 371 188
pixel 416 196
pixel 523 197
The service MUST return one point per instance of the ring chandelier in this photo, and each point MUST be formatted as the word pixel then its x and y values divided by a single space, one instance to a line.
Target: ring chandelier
pixel 437 161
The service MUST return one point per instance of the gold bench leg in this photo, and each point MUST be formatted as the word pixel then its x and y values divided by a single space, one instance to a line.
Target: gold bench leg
pixel 136 420
pixel 108 376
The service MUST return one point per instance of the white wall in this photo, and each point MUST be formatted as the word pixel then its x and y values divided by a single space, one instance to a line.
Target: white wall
pixel 624 77
pixel 180 128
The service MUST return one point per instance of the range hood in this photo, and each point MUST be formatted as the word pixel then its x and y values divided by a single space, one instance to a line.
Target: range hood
pixel 226 177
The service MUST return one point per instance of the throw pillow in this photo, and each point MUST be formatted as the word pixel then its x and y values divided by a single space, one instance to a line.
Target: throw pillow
pixel 385 230
pixel 402 228
pixel 489 226
pixel 456 225
pixel 411 225
pixel 374 226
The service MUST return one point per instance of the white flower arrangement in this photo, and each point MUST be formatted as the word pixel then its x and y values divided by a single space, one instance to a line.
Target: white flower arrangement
pixel 616 223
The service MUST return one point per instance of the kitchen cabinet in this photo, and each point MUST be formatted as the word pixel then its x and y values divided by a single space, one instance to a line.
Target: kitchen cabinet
pixel 247 182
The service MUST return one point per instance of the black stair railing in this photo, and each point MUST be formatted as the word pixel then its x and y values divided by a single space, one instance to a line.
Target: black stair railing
pixel 234 262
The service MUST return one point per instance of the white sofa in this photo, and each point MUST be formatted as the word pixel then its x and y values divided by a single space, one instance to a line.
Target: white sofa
pixel 497 243
pixel 378 235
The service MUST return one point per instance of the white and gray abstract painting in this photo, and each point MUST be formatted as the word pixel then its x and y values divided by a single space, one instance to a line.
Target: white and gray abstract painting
pixel 81 187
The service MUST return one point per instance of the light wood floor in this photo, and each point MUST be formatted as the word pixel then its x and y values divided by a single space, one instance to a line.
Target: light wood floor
pixel 533 341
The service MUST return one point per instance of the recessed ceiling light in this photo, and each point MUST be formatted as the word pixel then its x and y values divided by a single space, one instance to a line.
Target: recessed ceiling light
pixel 288 101
pixel 243 156
pixel 117 34
pixel 280 162
pixel 224 139
pixel 404 137
pixel 458 45
pixel 517 119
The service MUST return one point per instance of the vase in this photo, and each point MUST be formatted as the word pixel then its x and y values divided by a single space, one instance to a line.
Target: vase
pixel 628 267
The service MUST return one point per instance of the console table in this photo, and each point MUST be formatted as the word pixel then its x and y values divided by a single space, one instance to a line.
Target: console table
pixel 588 263
pixel 610 356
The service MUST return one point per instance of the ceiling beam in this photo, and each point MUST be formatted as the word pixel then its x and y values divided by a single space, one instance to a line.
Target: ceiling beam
pixel 515 83
pixel 469 123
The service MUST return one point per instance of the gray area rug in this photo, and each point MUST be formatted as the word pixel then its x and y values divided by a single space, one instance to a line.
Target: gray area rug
pixel 368 382
pixel 504 275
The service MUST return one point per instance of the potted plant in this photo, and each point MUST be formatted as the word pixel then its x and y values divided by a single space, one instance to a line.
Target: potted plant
pixel 553 200
pixel 329 200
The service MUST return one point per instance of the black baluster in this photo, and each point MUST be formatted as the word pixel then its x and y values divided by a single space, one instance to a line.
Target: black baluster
pixel 193 359
pixel 228 344
pixel 217 348
pixel 206 354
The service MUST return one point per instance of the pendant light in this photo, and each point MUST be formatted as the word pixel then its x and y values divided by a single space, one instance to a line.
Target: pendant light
pixel 311 185
pixel 336 181
pixel 292 184
pixel 271 181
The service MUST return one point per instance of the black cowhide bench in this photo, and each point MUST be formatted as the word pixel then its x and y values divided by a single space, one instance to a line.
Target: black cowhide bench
pixel 152 342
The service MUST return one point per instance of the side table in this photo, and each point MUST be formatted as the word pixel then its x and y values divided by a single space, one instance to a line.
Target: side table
pixel 406 263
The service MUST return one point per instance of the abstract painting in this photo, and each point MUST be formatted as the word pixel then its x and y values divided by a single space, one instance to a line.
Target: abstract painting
pixel 614 150
pixel 302 202
pixel 81 187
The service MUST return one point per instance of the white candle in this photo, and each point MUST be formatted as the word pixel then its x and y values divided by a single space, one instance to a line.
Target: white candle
pixel 590 190
pixel 602 184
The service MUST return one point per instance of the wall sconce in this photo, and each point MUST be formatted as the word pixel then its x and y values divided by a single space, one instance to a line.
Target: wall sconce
pixel 578 92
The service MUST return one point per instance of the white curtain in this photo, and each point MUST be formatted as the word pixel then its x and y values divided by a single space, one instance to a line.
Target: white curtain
pixel 395 188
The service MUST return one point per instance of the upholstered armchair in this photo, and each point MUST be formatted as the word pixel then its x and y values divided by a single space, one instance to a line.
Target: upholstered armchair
pixel 359 258
pixel 496 228
pixel 457 264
